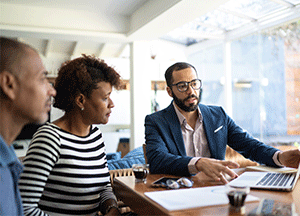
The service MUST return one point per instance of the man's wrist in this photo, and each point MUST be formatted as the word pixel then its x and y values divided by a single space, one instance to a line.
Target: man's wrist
pixel 278 158
pixel 196 164
pixel 192 165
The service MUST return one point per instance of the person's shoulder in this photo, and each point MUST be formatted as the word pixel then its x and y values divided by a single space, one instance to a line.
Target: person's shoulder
pixel 158 114
pixel 5 153
pixel 47 129
pixel 47 126
pixel 2 143
pixel 212 109
pixel 47 135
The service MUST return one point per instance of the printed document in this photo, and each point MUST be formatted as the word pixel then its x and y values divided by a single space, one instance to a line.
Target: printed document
pixel 192 197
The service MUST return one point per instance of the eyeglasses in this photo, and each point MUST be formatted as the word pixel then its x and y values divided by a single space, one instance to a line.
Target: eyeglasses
pixel 172 184
pixel 183 86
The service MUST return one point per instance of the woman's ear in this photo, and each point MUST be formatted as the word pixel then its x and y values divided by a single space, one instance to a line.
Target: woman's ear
pixel 80 101
pixel 8 84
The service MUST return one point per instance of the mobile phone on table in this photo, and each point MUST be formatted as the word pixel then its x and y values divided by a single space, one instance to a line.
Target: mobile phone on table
pixel 162 182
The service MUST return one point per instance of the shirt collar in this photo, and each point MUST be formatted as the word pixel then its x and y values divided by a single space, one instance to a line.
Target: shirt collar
pixel 7 153
pixel 182 119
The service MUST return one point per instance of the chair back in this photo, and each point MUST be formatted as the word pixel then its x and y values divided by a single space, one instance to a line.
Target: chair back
pixel 119 172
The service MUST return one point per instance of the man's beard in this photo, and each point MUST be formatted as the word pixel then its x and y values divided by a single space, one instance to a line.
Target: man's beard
pixel 181 105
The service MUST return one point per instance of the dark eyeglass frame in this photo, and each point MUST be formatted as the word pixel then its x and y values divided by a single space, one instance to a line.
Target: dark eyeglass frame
pixel 187 84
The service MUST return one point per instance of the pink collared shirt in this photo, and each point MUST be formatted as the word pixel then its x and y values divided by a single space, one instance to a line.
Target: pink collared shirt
pixel 195 141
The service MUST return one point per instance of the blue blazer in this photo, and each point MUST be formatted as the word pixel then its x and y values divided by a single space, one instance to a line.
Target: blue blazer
pixel 165 148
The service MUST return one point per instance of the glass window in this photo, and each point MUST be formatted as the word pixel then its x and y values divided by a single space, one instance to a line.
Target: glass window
pixel 266 84
pixel 265 71
pixel 222 20
pixel 252 8
pixel 210 67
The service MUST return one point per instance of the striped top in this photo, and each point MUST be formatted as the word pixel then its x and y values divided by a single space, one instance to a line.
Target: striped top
pixel 65 174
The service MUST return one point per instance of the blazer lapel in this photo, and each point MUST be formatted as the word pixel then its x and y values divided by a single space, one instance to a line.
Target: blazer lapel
pixel 209 130
pixel 175 129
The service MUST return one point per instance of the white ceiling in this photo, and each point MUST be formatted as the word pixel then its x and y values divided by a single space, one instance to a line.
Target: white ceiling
pixel 105 27
pixel 100 27
pixel 103 6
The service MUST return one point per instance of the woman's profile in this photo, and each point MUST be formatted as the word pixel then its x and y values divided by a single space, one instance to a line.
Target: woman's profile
pixel 65 168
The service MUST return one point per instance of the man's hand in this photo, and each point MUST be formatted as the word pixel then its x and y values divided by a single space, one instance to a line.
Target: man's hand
pixel 290 158
pixel 216 169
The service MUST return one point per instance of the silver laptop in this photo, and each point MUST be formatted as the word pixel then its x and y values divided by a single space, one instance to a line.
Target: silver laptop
pixel 268 180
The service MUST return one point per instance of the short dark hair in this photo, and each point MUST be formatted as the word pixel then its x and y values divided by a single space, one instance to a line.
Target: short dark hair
pixel 81 75
pixel 176 67
pixel 12 52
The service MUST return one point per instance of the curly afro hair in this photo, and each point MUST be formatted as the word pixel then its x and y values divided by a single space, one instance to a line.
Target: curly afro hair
pixel 81 75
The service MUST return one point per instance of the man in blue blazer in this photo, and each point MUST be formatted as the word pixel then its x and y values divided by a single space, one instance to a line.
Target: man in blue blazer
pixel 187 137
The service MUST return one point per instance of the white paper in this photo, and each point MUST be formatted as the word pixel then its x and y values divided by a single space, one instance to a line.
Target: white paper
pixel 192 197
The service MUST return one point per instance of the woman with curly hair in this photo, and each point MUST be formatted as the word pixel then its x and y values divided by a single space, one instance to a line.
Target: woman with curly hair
pixel 65 168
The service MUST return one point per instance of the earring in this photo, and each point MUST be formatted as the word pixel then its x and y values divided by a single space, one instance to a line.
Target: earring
pixel 82 109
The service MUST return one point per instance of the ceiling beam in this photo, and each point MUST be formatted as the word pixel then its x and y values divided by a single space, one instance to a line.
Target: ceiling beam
pixel 152 20
pixel 47 48
pixel 75 51
pixel 60 34
pixel 112 50
pixel 100 50
pixel 120 50
pixel 234 13
pixel 156 18
pixel 61 23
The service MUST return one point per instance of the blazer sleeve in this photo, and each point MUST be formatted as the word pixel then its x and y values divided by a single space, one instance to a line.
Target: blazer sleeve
pixel 241 141
pixel 161 150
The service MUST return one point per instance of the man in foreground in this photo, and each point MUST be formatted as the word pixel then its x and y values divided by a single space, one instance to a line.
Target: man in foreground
pixel 25 97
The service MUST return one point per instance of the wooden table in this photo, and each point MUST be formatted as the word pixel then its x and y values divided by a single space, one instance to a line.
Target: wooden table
pixel 132 194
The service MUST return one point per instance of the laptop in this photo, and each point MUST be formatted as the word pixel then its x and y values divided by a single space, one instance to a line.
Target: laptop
pixel 268 180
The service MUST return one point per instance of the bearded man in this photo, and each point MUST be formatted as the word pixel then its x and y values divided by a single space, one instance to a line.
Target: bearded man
pixel 188 137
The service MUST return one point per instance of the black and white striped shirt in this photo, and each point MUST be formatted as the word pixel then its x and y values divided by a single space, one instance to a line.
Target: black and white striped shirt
pixel 65 174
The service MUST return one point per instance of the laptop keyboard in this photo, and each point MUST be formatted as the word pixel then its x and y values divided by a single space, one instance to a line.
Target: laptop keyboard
pixel 275 179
